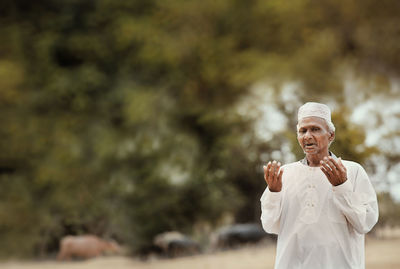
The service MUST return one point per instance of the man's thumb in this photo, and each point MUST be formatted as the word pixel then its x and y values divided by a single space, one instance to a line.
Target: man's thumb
pixel 265 168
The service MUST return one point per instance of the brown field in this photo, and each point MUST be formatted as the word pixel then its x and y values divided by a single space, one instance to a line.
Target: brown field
pixel 380 254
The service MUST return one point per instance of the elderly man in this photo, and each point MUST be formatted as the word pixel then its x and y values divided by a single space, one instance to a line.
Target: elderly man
pixel 321 206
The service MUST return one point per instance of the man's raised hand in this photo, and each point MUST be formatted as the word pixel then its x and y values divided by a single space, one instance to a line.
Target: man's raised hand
pixel 334 170
pixel 273 176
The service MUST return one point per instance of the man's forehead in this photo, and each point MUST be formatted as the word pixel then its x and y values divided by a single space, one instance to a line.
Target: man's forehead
pixel 312 121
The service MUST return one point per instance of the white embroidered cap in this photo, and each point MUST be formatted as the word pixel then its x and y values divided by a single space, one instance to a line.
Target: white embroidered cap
pixel 312 109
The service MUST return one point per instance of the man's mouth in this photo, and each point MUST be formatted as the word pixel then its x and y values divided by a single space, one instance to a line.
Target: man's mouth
pixel 309 144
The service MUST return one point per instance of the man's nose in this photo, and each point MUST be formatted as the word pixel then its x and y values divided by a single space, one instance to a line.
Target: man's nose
pixel 307 134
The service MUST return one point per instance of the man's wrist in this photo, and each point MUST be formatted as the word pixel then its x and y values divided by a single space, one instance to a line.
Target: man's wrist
pixel 273 190
pixel 344 187
pixel 340 182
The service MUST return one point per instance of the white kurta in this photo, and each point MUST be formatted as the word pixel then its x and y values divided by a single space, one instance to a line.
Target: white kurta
pixel 320 226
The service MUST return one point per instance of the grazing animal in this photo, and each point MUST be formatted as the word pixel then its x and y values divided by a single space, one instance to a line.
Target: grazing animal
pixel 85 247
pixel 174 244
pixel 237 235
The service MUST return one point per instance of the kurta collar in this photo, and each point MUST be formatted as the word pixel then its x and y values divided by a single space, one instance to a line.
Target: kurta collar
pixel 304 160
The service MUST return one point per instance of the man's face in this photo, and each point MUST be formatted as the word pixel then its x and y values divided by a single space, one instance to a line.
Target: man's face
pixel 313 135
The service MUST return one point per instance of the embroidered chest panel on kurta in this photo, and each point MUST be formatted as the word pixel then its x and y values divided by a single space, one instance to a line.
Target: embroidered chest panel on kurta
pixel 309 194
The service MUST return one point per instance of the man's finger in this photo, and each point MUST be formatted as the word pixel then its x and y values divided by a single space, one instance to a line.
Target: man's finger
pixel 327 171
pixel 266 169
pixel 266 172
pixel 280 175
pixel 326 167
pixel 271 172
pixel 329 164
pixel 343 171
pixel 275 172
pixel 323 169
pixel 340 161
pixel 332 164
pixel 341 166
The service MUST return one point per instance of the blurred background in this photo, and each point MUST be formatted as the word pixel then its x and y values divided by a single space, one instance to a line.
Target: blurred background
pixel 126 119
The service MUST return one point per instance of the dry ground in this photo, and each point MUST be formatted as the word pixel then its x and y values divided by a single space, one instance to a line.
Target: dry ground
pixel 380 254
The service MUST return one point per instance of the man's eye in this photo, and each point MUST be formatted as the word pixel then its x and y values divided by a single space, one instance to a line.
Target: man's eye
pixel 315 129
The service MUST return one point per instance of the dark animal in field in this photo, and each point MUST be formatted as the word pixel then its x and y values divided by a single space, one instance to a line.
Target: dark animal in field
pixel 175 244
pixel 237 235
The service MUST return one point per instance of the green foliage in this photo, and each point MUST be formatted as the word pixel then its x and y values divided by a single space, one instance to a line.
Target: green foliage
pixel 349 138
pixel 118 117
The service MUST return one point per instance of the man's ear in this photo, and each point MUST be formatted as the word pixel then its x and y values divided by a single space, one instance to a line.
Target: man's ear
pixel 332 136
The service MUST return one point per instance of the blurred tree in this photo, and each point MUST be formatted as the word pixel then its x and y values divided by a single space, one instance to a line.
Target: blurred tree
pixel 388 210
pixel 119 117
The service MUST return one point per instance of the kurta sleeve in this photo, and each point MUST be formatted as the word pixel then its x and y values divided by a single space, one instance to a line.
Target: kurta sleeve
pixel 271 211
pixel 357 201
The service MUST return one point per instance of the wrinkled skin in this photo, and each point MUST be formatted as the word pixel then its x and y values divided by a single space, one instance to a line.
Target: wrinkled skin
pixel 314 138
